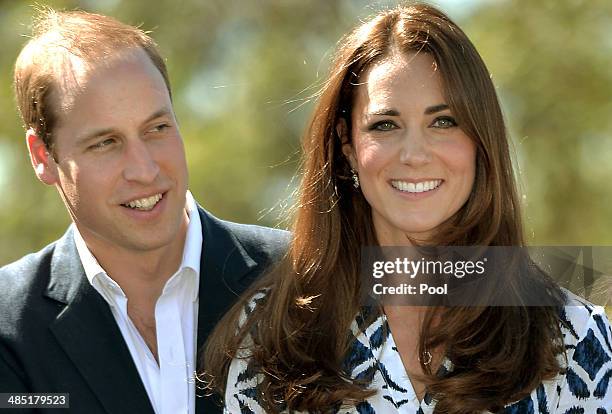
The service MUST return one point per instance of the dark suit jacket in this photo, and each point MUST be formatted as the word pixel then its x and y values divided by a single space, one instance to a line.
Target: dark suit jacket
pixel 57 334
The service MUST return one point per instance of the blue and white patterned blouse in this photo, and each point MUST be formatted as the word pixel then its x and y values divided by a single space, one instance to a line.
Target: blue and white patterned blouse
pixel 585 388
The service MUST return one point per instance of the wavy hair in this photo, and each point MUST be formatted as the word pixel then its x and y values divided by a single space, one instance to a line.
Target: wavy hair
pixel 300 332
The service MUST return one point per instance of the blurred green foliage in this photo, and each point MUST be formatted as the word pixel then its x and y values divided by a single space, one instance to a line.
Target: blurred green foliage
pixel 244 72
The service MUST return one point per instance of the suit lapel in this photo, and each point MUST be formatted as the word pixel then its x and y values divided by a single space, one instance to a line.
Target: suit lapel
pixel 223 266
pixel 88 333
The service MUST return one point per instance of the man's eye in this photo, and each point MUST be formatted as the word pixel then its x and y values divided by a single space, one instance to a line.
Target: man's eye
pixel 158 128
pixel 444 122
pixel 102 144
pixel 383 126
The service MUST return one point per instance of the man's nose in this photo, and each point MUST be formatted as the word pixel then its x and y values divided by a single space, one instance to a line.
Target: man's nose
pixel 415 150
pixel 140 165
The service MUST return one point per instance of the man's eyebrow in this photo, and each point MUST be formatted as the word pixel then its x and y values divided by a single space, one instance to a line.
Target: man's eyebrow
pixel 105 131
pixel 158 114
pixel 435 108
pixel 94 134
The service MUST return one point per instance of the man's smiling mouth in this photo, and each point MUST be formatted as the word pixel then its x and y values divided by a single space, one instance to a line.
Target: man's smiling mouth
pixel 144 204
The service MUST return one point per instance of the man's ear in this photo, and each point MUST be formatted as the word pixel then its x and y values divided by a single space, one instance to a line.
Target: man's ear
pixel 43 163
pixel 347 146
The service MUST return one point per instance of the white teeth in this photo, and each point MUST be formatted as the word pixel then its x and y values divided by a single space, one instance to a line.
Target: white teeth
pixel 419 187
pixel 145 203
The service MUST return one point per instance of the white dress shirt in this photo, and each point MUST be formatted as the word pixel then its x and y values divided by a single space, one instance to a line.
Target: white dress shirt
pixel 169 385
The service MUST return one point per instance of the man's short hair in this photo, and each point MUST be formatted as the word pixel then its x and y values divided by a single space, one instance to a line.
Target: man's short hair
pixel 60 41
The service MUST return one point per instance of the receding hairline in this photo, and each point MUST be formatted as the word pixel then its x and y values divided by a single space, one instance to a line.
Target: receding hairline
pixel 60 41
pixel 77 71
pixel 63 39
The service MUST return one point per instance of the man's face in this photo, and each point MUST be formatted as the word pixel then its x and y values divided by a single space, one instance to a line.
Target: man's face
pixel 120 158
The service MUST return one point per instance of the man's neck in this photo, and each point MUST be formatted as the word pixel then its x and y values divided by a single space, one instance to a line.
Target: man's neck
pixel 141 274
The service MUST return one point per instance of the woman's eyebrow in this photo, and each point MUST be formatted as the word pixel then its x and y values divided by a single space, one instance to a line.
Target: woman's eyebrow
pixel 436 108
pixel 394 112
pixel 385 112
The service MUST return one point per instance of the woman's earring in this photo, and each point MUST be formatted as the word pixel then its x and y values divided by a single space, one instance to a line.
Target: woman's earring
pixel 355 178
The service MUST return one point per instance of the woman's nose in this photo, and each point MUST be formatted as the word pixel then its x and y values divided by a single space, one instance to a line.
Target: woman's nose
pixel 415 149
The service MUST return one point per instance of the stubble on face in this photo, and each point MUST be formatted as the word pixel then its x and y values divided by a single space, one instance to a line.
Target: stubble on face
pixel 133 156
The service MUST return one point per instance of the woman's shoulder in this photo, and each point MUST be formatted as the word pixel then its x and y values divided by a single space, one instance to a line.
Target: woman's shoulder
pixel 588 342
pixel 582 321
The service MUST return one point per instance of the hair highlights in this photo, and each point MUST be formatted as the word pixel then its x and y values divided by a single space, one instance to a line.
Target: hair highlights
pixel 300 331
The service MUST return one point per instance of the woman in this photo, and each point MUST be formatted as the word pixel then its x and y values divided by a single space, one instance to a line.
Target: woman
pixel 407 145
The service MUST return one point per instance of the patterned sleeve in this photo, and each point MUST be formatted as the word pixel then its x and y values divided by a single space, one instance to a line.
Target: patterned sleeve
pixel 242 378
pixel 587 387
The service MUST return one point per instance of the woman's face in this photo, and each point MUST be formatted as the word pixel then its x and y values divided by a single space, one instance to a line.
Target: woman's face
pixel 415 165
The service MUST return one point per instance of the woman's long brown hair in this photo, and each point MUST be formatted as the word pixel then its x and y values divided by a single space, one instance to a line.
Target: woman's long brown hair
pixel 301 330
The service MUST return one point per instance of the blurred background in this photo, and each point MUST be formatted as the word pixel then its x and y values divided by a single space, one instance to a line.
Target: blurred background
pixel 244 73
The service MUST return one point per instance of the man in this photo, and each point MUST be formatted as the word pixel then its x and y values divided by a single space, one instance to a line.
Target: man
pixel 114 312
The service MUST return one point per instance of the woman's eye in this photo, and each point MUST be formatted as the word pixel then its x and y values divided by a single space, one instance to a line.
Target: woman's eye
pixel 444 122
pixel 383 126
